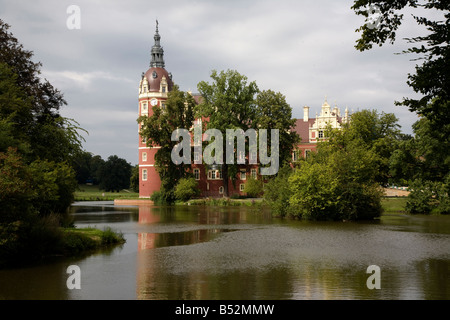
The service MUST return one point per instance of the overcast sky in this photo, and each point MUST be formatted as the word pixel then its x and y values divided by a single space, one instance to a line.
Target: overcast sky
pixel 303 49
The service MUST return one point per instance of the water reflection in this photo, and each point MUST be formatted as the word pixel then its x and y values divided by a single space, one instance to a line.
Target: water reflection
pixel 243 253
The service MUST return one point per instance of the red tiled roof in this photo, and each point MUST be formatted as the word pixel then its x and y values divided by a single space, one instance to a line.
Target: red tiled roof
pixel 302 129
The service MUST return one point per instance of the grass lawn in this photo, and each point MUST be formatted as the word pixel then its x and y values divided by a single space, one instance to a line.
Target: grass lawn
pixel 93 193
pixel 394 205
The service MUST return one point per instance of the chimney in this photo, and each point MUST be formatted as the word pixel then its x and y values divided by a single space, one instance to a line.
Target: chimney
pixel 305 114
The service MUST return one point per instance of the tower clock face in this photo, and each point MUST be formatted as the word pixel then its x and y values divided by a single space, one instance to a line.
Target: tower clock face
pixel 154 102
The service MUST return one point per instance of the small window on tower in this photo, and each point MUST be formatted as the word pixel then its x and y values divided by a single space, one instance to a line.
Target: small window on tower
pixel 144 175
pixel 144 108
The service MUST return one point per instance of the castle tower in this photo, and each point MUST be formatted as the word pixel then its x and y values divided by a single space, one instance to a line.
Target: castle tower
pixel 153 89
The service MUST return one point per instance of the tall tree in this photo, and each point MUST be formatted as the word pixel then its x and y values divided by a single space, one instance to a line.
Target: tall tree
pixel 372 131
pixel 274 112
pixel 49 135
pixel 228 103
pixel 115 174
pixel 431 79
pixel 158 128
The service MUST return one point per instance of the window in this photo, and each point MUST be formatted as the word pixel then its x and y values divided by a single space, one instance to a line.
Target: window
pixel 163 106
pixel 144 108
pixel 197 174
pixel 196 156
pixel 144 175
pixel 307 153
pixel 214 174
pixel 242 187
pixel 320 134
pixel 253 173
pixel 220 190
pixel 243 175
pixel 144 156
pixel 163 89
pixel 295 155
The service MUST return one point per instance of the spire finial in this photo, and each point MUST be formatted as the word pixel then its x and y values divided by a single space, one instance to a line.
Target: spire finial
pixel 157 51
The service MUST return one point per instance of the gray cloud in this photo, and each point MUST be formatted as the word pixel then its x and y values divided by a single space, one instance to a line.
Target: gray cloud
pixel 303 49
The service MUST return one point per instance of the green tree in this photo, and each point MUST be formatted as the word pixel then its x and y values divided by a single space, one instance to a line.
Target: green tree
pixel 431 78
pixel 134 179
pixel 254 188
pixel 115 174
pixel 15 187
pixel 336 184
pixel 158 128
pixel 372 131
pixel 33 106
pixel 273 112
pixel 228 103
pixel 186 188
pixel 277 192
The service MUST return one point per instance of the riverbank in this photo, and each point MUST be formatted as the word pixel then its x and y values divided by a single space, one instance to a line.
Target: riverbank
pixel 49 243
pixel 93 193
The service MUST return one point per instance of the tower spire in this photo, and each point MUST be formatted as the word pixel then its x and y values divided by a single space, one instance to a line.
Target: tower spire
pixel 157 51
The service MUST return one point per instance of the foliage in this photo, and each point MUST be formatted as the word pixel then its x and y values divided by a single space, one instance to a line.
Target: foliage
pixel 254 188
pixel 429 197
pixel 15 186
pixel 431 79
pixel 32 105
pixel 186 189
pixel 115 174
pixel 424 156
pixel 336 184
pixel 134 179
pixel 228 103
pixel 277 192
pixel 158 128
pixel 273 112
pixel 372 131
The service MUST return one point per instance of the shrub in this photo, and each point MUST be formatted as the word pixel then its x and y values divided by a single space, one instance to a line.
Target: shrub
pixel 277 192
pixel 254 188
pixel 186 188
pixel 336 184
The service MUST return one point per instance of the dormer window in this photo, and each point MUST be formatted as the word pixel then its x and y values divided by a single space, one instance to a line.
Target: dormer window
pixel 163 89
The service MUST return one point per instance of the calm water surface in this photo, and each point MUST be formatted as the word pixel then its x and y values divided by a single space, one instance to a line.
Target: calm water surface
pixel 242 253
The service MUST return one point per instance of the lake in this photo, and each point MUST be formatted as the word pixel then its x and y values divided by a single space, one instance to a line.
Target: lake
pixel 242 253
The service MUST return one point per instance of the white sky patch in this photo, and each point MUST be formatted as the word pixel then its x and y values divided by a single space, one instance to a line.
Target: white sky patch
pixel 84 80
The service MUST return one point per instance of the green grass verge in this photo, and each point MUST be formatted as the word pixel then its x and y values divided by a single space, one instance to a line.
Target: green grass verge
pixel 394 205
pixel 77 241
pixel 93 193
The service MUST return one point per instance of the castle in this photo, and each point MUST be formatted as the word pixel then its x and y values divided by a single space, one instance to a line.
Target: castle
pixel 154 87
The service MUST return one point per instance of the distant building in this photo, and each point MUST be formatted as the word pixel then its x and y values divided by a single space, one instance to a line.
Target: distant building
pixel 153 91
pixel 312 130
